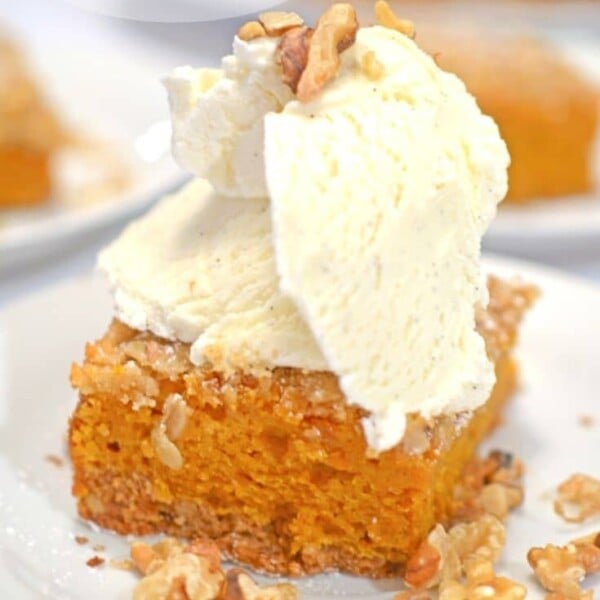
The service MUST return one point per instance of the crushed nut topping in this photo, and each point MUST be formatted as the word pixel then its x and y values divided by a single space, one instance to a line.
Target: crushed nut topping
pixel 174 571
pixel 561 569
pixel 492 485
pixel 183 576
pixel 386 17
pixel 94 504
pixel 482 583
pixel 145 558
pixel 436 559
pixel 446 556
pixel 413 595
pixel 483 538
pixel 372 67
pixel 170 428
pixel 240 586
pixel 293 54
pixel 497 587
pixel 166 451
pixel 580 492
pixel 490 489
pixel 251 31
pixel 311 57
pixel 176 413
pixel 425 566
pixel 275 23
pixel 122 565
pixel 499 499
pixel 335 32
pixel 589 595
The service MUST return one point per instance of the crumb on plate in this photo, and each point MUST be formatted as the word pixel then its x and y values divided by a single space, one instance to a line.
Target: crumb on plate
pixel 586 421
pixel 95 561
pixel 55 460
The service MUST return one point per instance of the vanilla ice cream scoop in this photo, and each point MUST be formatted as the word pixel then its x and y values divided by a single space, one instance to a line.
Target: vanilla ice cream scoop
pixel 381 191
pixel 218 125
pixel 352 227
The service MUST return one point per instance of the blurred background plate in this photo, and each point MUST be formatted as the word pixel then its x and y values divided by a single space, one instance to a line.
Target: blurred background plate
pixel 548 226
pixel 114 95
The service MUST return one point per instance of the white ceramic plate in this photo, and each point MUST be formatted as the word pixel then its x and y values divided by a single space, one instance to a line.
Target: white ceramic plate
pixel 113 96
pixel 42 335
pixel 548 225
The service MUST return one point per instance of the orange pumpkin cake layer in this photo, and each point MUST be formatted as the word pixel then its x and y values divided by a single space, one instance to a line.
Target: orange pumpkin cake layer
pixel 275 469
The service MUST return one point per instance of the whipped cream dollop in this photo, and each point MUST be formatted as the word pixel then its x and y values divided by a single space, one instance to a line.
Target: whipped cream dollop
pixel 340 234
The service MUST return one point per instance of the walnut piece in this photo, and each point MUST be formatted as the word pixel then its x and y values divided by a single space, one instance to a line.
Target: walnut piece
pixel 176 413
pixel 374 69
pixel 461 560
pixel 447 555
pixel 293 54
pixel 413 595
pixel 436 559
pixel 94 504
pixel 122 565
pixel 145 558
pixel 482 583
pixel 251 31
pixel 589 595
pixel 492 485
pixel 499 499
pixel 483 538
pixel 174 571
pixel 335 32
pixel 170 428
pixel 500 588
pixel 182 576
pixel 579 491
pixel 240 586
pixel 424 567
pixel 166 451
pixel 275 23
pixel 561 569
pixel 385 16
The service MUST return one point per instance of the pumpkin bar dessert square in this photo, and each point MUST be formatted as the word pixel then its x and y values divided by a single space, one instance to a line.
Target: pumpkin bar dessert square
pixel 305 350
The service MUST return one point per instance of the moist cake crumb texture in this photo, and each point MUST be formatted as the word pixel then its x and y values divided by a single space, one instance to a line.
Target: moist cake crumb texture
pixel 274 469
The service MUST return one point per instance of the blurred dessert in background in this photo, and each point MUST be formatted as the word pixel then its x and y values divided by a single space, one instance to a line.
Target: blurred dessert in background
pixel 546 110
pixel 42 159
pixel 29 133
